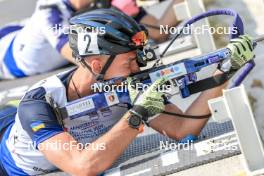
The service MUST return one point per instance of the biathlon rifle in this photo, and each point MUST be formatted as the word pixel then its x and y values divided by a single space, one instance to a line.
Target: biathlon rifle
pixel 182 74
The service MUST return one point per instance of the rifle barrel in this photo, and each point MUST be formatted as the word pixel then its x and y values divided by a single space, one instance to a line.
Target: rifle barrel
pixel 260 38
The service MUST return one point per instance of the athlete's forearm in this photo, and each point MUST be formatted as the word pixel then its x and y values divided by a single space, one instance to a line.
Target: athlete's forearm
pixel 93 159
pixel 115 142
pixel 200 107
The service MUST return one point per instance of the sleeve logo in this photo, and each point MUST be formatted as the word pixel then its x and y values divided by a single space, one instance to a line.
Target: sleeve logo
pixel 36 126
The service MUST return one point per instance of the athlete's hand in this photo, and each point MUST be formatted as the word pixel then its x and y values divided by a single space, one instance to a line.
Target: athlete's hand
pixel 147 103
pixel 242 51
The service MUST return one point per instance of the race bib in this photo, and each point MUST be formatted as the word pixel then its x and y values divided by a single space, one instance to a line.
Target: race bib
pixel 87 43
pixel 90 126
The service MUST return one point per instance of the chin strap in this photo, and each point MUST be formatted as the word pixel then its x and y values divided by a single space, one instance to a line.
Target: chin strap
pixel 86 66
pixel 100 77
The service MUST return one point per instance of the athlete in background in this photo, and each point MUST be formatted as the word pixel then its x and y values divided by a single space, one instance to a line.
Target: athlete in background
pixel 38 47
pixel 131 8
pixel 42 44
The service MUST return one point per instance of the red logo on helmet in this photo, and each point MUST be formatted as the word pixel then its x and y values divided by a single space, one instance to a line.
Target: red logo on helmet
pixel 140 38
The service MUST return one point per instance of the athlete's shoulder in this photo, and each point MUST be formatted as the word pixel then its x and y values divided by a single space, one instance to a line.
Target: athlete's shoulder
pixel 36 115
pixel 55 84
